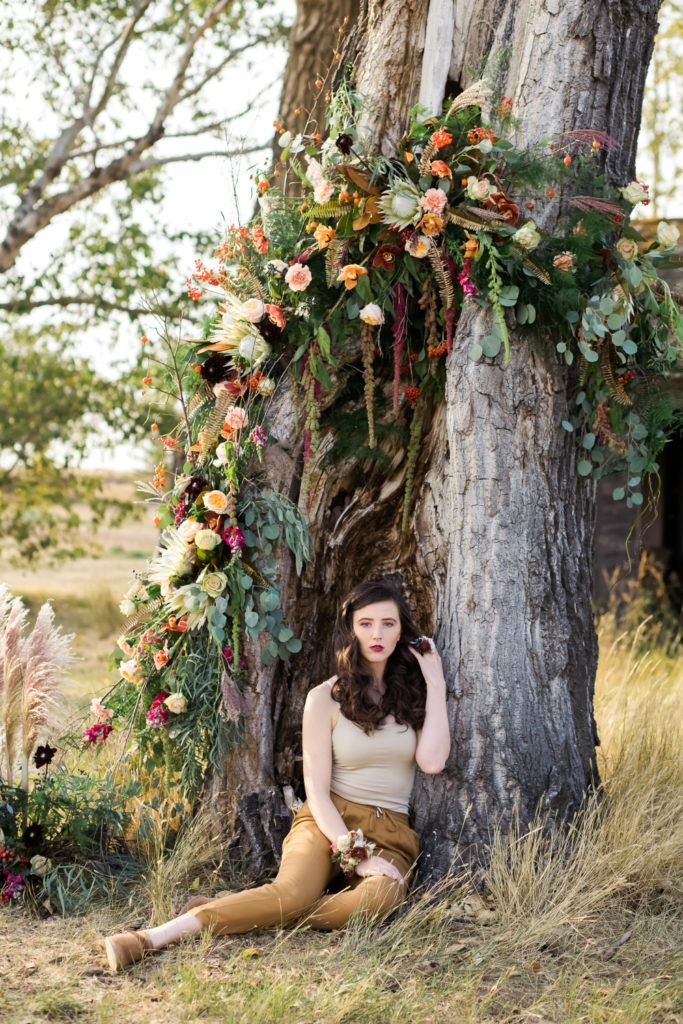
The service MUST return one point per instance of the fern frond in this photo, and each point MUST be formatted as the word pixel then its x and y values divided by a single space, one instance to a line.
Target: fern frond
pixel 467 220
pixel 536 268
pixel 334 251
pixel 141 615
pixel 256 286
pixel 201 396
pixel 616 388
pixel 583 372
pixel 332 209
pixel 425 163
pixel 209 433
pixel 443 278
pixel 485 213
pixel 256 575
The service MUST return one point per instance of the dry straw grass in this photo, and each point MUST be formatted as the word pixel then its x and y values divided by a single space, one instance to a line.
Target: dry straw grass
pixel 581 927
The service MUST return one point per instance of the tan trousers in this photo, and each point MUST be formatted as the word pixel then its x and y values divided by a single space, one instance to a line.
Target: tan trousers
pixel 306 870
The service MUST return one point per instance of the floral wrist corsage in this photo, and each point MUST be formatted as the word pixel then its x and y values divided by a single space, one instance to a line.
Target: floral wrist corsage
pixel 349 850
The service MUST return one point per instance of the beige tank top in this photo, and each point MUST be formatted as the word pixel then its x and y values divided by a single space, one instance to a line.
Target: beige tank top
pixel 378 769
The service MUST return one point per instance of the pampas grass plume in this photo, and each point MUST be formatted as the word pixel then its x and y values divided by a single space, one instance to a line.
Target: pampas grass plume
pixel 11 654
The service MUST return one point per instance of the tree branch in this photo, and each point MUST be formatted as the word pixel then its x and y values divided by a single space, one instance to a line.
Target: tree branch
pixel 26 305
pixel 144 165
pixel 126 39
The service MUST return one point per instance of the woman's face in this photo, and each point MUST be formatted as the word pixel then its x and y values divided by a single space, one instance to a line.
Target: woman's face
pixel 377 628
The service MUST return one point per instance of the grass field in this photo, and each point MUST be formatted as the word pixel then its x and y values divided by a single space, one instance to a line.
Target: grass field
pixel 588 929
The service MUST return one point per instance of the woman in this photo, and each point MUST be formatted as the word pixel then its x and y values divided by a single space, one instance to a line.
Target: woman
pixel 364 731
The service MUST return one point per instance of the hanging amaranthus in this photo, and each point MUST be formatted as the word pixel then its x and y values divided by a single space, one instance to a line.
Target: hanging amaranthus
pixel 411 457
pixel 399 329
pixel 368 352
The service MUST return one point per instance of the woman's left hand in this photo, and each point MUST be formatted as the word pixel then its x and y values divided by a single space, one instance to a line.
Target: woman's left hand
pixel 431 666
pixel 378 866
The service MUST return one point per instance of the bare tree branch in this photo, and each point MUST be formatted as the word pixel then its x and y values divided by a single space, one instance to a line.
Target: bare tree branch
pixel 218 68
pixel 144 165
pixel 26 305
pixel 126 39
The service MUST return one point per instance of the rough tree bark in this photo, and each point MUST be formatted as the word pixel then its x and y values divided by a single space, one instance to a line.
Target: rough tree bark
pixel 497 557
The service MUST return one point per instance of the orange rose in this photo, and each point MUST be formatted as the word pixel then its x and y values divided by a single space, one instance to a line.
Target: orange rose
pixel 441 169
pixel 350 274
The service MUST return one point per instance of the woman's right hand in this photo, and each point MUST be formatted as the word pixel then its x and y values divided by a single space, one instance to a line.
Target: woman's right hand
pixel 378 866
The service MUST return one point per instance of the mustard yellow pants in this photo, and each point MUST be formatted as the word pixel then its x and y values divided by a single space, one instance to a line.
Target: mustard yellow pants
pixel 306 870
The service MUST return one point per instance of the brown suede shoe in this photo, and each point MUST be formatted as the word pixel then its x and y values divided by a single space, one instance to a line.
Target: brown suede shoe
pixel 193 903
pixel 126 948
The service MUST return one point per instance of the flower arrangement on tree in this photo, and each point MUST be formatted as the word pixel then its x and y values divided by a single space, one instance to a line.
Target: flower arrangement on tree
pixel 375 260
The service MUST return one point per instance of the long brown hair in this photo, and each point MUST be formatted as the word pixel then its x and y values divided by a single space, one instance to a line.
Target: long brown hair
pixel 405 693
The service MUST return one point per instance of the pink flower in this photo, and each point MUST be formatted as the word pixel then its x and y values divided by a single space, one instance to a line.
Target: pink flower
pixel 99 729
pixel 99 710
pixel 323 191
pixel 160 659
pixel 433 200
pixel 298 278
pixel 234 538
pixel 564 261
pixel 157 716
pixel 235 419
pixel 258 437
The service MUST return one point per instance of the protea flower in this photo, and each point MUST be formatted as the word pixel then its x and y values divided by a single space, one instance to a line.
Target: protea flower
pixel 174 561
pixel 401 205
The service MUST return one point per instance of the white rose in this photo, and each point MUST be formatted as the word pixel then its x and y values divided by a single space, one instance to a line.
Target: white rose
pixel 213 583
pixel 127 607
pixel 372 314
pixel 478 188
pixel 206 540
pixel 528 236
pixel 667 234
pixel 40 865
pixel 131 671
pixel 254 349
pixel 222 456
pixel 628 248
pixel 253 310
pixel 635 192
pixel 176 703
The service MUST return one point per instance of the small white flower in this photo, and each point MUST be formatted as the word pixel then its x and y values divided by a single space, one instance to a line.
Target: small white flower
pixel 667 234
pixel 254 349
pixel 372 314
pixel 635 192
pixel 528 236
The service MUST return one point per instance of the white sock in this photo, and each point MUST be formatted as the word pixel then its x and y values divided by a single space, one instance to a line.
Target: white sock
pixel 174 930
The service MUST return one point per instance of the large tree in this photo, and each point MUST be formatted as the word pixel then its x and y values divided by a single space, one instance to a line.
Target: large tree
pixel 497 555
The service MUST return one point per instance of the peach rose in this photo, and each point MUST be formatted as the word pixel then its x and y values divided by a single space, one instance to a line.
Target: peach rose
pixel 628 248
pixel 187 529
pixel 216 501
pixel 298 277
pixel 350 274
pixel 253 310
pixel 124 646
pixel 131 671
pixel 235 418
pixel 160 659
pixel 276 316
pixel 100 711
pixel 564 261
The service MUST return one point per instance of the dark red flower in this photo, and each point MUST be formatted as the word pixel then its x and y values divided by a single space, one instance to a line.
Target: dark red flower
pixel 44 755
pixel 385 257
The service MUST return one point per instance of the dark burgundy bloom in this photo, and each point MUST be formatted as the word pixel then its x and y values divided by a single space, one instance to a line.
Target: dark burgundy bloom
pixel 44 755
pixel 33 835
pixel 215 368
pixel 194 488
pixel 344 143
pixel 385 257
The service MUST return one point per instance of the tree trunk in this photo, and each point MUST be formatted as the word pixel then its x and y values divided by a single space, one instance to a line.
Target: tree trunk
pixel 498 552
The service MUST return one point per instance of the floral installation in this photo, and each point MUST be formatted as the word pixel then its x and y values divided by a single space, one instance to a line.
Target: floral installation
pixel 388 252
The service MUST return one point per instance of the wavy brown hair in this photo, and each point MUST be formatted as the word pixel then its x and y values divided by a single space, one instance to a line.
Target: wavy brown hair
pixel 405 693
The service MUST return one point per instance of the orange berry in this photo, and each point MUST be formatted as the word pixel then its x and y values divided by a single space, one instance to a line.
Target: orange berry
pixel 529 206
pixel 463 181
pixel 567 160
pixel 318 82
pixel 155 426
pixel 298 110
pixel 551 192
pixel 143 340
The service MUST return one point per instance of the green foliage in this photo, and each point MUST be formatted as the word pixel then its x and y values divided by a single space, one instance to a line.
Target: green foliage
pixel 55 406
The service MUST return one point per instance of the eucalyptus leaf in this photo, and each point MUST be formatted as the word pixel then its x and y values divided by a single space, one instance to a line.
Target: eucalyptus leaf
pixel 585 468
pixel 490 345
pixel 475 353
pixel 618 493
pixel 588 441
